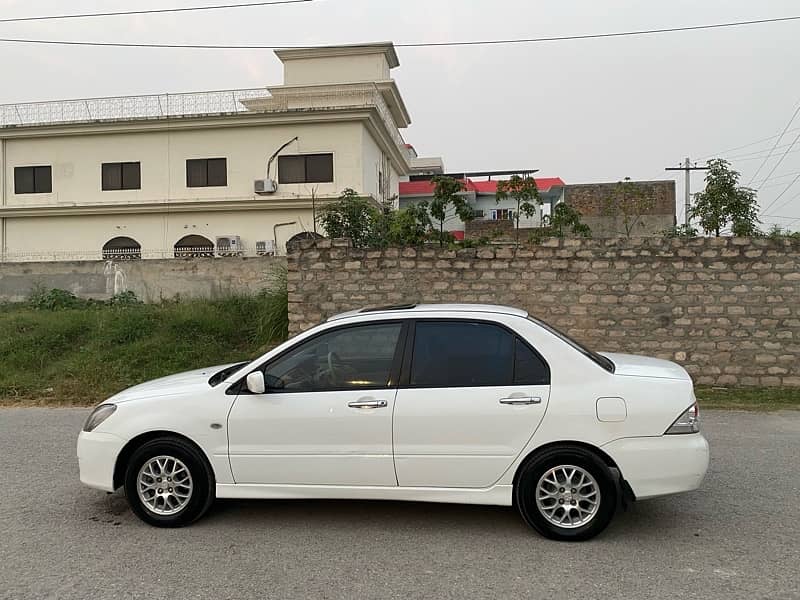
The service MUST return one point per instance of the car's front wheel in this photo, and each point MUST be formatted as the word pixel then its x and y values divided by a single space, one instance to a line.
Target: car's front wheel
pixel 566 493
pixel 168 483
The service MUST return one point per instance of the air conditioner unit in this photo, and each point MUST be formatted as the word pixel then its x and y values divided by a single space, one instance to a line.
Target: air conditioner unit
pixel 229 245
pixel 265 248
pixel 265 186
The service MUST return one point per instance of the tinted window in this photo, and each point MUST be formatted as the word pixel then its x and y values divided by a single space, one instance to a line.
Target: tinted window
pixel 306 168
pixel 33 180
pixel 529 368
pixel 206 172
pixel 351 358
pixel 121 176
pixel 601 360
pixel 461 354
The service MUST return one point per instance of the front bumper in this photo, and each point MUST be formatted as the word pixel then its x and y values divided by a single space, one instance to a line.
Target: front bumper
pixel 97 455
pixel 657 466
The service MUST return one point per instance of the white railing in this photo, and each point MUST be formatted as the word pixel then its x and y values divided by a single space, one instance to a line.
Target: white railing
pixel 127 107
pixel 125 255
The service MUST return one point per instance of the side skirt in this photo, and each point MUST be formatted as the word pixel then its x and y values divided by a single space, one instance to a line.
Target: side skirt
pixel 498 495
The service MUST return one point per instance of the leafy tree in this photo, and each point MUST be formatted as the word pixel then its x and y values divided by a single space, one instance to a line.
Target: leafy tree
pixel 446 192
pixel 351 216
pixel 725 202
pixel 566 218
pixel 524 191
pixel 410 226
pixel 630 203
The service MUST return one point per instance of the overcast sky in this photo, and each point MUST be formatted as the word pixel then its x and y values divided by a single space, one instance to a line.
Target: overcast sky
pixel 591 110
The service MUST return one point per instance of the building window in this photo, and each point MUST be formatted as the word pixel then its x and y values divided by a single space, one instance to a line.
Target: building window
pixel 502 214
pixel 122 176
pixel 305 168
pixel 122 248
pixel 194 245
pixel 33 180
pixel 207 172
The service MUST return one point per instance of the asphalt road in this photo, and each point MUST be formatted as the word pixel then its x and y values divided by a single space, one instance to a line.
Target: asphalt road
pixel 737 537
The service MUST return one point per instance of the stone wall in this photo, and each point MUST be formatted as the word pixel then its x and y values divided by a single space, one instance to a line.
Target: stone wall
pixel 592 201
pixel 150 280
pixel 728 309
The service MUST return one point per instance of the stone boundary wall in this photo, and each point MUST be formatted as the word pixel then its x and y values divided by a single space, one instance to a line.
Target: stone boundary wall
pixel 150 280
pixel 728 309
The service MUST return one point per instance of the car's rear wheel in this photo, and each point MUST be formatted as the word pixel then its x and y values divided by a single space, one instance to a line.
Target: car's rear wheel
pixel 566 493
pixel 168 483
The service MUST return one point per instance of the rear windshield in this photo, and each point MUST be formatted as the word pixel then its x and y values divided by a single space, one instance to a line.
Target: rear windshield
pixel 601 360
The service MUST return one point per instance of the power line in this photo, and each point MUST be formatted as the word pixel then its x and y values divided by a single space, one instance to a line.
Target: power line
pixel 779 196
pixel 408 44
pixel 777 141
pixel 783 156
pixel 149 12
pixel 761 141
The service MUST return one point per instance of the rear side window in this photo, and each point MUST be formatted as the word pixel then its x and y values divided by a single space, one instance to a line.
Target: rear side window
pixel 461 354
pixel 472 354
pixel 529 367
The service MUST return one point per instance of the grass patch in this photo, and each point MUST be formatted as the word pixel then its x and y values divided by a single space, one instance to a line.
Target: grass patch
pixel 756 399
pixel 82 353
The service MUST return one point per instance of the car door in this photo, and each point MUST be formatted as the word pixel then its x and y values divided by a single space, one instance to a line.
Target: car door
pixel 472 394
pixel 326 417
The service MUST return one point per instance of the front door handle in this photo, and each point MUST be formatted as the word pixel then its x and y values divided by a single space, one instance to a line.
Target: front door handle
pixel 368 404
pixel 513 401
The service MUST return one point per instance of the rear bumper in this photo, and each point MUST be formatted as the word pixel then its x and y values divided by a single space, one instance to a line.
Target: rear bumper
pixel 658 466
pixel 97 456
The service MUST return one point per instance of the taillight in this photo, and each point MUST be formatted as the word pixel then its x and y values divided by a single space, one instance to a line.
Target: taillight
pixel 688 422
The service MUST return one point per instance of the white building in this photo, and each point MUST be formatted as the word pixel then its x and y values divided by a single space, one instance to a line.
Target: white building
pixel 165 175
pixel 480 192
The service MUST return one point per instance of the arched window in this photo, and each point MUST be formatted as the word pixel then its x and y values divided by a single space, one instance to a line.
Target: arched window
pixel 303 235
pixel 194 245
pixel 122 248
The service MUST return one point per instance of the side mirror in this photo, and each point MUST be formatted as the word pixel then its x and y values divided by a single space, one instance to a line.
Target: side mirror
pixel 255 383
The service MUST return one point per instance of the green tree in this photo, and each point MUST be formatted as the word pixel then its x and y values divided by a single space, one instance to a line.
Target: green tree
pixel 351 216
pixel 524 191
pixel 630 204
pixel 725 202
pixel 446 192
pixel 566 219
pixel 410 226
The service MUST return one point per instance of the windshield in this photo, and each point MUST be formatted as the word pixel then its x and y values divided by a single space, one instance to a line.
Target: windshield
pixel 221 376
pixel 601 360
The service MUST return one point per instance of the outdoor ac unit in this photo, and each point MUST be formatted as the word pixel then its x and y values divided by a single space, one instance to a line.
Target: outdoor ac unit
pixel 265 186
pixel 265 248
pixel 229 245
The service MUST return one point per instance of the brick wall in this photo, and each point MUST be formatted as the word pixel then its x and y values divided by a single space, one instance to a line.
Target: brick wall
pixel 591 200
pixel 728 309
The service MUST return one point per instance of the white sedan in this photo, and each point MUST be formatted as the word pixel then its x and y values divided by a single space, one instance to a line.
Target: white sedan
pixel 454 403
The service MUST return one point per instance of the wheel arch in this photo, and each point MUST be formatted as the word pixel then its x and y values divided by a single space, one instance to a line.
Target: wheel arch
pixel 124 456
pixel 600 453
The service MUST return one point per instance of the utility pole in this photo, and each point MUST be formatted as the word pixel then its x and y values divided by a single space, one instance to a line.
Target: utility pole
pixel 687 168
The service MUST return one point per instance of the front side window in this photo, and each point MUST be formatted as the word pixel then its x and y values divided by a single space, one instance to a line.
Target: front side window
pixel 33 180
pixel 351 358
pixel 121 176
pixel 206 172
pixel 472 354
pixel 305 168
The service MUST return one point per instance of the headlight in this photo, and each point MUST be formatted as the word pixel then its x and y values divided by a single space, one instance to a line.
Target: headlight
pixel 688 422
pixel 99 414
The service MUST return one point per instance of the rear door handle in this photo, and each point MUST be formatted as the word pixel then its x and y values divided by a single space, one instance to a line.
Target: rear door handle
pixel 513 401
pixel 368 404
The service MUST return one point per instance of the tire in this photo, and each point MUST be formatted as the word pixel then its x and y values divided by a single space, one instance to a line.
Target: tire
pixel 546 501
pixel 186 500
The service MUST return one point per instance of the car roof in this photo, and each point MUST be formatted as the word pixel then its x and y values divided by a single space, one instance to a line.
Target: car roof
pixel 413 309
